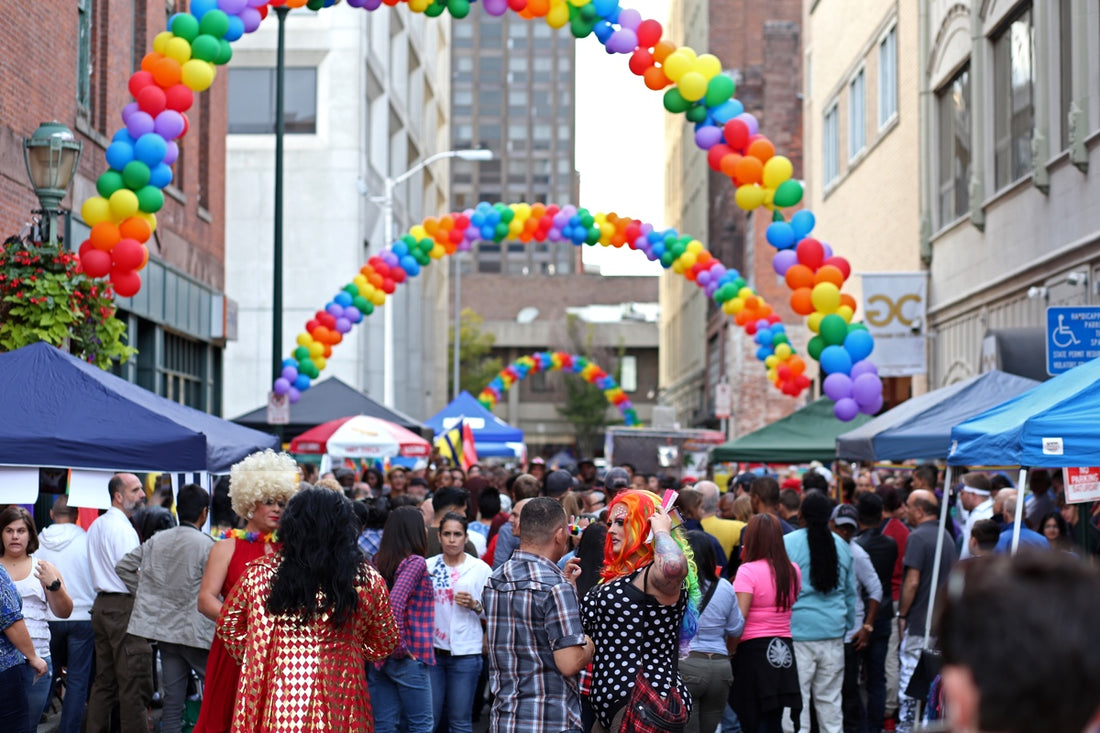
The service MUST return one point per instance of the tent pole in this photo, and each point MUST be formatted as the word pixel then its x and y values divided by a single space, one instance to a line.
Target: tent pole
pixel 1021 484
pixel 938 558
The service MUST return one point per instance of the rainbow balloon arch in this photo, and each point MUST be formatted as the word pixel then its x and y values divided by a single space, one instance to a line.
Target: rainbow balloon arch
pixel 549 361
pixel 184 62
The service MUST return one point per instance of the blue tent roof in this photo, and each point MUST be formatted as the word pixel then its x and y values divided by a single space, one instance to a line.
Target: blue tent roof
pixel 61 411
pixel 921 426
pixel 1052 425
pixel 486 426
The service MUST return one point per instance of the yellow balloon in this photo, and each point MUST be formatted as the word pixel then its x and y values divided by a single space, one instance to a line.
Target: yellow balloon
pixel 378 297
pixel 316 350
pixel 687 259
pixel 695 246
pixel 437 252
pixel 676 64
pixel 178 49
pixel 777 170
pixel 678 267
pixel 150 218
pixel 813 321
pixel 359 281
pixel 708 65
pixel 690 53
pixel 558 16
pixel 745 293
pixel 692 86
pixel 418 231
pixel 825 297
pixel 95 210
pixel 727 307
pixel 736 305
pixel 579 3
pixel 160 41
pixel 845 312
pixel 418 6
pixel 198 75
pixel 319 361
pixel 773 375
pixel 783 351
pixel 123 203
pixel 514 228
pixel 304 339
pixel 771 361
pixel 749 196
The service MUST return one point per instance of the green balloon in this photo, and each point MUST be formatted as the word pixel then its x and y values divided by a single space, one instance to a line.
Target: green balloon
pixel 459 8
pixel 108 183
pixel 696 114
pixel 204 48
pixel 360 302
pixel 214 23
pixel 367 308
pixel 422 258
pixel 185 26
pixel 777 216
pixel 135 175
pixel 352 289
pixel 315 4
pixel 425 245
pixel 667 260
pixel 306 364
pixel 789 193
pixel 675 102
pixel 815 346
pixel 719 89
pixel 506 214
pixel 500 231
pixel 410 240
pixel 833 330
pixel 593 236
pixel 856 327
pixel 738 283
pixel 301 353
pixel 225 53
pixel 779 338
pixel 435 10
pixel 150 199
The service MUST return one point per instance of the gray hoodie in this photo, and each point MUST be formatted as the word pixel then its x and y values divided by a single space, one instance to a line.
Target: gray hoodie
pixel 66 546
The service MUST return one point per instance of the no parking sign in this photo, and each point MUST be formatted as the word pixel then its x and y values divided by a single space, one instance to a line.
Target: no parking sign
pixel 1082 484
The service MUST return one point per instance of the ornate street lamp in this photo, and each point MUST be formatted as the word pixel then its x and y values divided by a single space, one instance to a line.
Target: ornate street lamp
pixel 51 155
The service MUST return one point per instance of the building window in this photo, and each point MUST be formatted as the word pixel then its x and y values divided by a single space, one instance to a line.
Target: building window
pixel 831 145
pixel 252 101
pixel 1065 66
pixel 888 77
pixel 1013 99
pixel 538 382
pixel 183 371
pixel 84 55
pixel 628 373
pixel 953 111
pixel 857 118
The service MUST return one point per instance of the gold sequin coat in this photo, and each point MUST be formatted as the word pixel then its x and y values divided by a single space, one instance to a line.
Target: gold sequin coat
pixel 299 678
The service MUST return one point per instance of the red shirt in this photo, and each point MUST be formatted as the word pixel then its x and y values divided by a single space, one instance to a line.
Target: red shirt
pixel 900 533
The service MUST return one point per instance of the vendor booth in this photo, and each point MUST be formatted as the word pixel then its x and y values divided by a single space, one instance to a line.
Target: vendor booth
pixel 806 435
pixel 492 436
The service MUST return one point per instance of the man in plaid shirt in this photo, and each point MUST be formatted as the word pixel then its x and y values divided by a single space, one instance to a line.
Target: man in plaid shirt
pixel 536 643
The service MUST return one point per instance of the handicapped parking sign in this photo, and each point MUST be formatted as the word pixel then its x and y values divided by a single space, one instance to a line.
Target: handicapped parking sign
pixel 1073 337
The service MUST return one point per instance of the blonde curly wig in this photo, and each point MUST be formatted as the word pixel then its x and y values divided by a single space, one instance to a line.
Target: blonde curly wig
pixel 260 476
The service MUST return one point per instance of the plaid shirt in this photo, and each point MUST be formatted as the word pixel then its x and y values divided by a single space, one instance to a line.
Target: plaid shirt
pixel 532 611
pixel 414 609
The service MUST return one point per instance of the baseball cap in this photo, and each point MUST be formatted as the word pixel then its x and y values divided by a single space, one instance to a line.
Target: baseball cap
pixel 558 482
pixel 846 514
pixel 616 478
pixel 791 483
pixel 744 479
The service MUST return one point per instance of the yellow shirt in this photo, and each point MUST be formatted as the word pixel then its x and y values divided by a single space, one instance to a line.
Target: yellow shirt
pixel 727 531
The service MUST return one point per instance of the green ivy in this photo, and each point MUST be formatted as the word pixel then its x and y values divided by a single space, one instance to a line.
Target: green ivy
pixel 45 296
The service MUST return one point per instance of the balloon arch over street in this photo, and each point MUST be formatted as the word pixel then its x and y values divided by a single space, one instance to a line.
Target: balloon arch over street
pixel 184 62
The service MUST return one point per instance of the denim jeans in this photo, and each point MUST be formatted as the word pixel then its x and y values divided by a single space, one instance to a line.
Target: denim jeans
pixel 13 683
pixel 401 696
pixel 38 693
pixel 454 680
pixel 177 662
pixel 855 715
pixel 72 646
pixel 874 664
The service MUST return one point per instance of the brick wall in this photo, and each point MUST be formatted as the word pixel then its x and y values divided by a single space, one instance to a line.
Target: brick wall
pixel 38 83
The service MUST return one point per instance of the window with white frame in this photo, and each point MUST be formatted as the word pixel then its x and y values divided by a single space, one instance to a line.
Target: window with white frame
pixel 628 373
pixel 888 77
pixel 857 117
pixel 830 146
pixel 1013 98
pixel 1065 67
pixel 953 146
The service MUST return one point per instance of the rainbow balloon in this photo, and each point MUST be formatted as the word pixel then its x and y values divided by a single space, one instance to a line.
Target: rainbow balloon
pixel 548 361
pixel 184 61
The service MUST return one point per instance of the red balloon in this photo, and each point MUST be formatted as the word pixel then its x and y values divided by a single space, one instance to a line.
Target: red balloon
pixel 640 60
pixel 462 221
pixel 84 247
pixel 810 253
pixel 398 275
pixel 127 255
pixel 96 262
pixel 649 33
pixel 841 264
pixel 327 320
pixel 312 324
pixel 179 97
pixel 517 5
pixel 127 283
pixel 152 100
pixel 186 124
pixel 388 286
pixel 139 80
pixel 737 134
pixel 715 155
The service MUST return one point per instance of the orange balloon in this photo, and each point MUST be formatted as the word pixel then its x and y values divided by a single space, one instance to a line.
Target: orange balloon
pixel 728 164
pixel 105 235
pixel 799 276
pixel 538 7
pixel 796 365
pixel 662 50
pixel 761 149
pixel 655 78
pixel 748 170
pixel 829 274
pixel 149 61
pixel 135 227
pixel 848 300
pixel 167 72
pixel 800 300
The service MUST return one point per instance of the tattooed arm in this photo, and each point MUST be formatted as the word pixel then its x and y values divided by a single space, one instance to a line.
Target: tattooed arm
pixel 669 563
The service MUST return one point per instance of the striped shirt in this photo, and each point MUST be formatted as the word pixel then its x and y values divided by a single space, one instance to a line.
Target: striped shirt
pixel 532 611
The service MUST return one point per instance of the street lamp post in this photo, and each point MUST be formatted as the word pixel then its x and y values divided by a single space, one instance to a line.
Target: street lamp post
pixel 386 201
pixel 51 155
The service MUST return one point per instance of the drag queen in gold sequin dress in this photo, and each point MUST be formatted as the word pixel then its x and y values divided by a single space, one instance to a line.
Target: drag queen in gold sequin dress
pixel 303 622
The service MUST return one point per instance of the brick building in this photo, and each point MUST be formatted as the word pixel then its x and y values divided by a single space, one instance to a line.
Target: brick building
pixel 70 62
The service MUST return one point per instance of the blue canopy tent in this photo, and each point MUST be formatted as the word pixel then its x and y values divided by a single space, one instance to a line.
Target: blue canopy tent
pixel 491 434
pixel 921 426
pixel 60 411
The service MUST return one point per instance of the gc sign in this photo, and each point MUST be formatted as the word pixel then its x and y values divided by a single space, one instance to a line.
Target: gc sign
pixel 893 311
pixel 881 310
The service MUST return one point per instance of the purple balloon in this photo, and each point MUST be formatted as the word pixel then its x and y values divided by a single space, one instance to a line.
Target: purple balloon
pixel 257 3
pixel 140 123
pixel 232 7
pixel 496 7
pixel 390 258
pixel 169 124
pixel 335 310
pixel 866 366
pixel 782 261
pixel 866 388
pixel 710 288
pixel 827 249
pixel 845 409
pixel 703 278
pixel 281 386
pixel 294 395
pixel 352 313
pixel 837 386
pixel 290 374
pixel 343 325
pixel 171 153
pixel 750 120
pixel 872 408
pixel 251 19
pixel 128 110
pixel 630 18
pixel 707 137
pixel 622 41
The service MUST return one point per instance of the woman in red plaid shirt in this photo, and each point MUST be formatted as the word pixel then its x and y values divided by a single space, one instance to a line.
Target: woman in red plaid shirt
pixel 400 687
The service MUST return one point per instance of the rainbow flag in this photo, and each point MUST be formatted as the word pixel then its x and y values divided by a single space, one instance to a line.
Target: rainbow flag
pixel 457 445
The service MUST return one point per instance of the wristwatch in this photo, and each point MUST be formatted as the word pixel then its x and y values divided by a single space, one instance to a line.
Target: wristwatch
pixel 55 585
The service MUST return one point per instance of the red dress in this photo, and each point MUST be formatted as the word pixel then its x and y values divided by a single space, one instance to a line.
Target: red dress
pixel 222 672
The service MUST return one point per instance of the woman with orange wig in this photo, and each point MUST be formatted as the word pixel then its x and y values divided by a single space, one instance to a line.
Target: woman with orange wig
pixel 640 616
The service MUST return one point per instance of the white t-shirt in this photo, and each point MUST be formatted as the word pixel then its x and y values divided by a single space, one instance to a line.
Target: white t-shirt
pixel 457 628
pixel 35 610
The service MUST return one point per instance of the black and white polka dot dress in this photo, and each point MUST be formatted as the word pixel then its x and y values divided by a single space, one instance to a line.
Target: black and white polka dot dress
pixel 631 631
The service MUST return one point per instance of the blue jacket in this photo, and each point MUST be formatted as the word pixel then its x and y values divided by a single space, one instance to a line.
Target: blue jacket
pixel 817 616
pixel 1028 538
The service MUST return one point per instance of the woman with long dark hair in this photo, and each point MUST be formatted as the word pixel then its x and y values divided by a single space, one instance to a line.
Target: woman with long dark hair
pixel 765 677
pixel 402 684
pixel 303 621
pixel 823 613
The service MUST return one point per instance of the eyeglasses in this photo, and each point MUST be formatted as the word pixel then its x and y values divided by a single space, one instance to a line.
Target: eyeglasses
pixel 274 502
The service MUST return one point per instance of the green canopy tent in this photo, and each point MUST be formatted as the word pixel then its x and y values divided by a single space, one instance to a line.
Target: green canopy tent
pixel 806 435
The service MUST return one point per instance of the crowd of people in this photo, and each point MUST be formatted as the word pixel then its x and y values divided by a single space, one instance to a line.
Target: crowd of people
pixel 551 601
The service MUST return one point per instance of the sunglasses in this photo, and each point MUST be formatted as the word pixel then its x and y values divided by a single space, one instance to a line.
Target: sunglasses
pixel 274 502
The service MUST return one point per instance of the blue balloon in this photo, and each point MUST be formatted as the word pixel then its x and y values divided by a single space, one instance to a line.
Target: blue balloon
pixel 343 298
pixel 200 8
pixel 150 149
pixel 119 154
pixel 477 219
pixel 859 344
pixel 301 383
pixel 487 232
pixel 763 337
pixel 835 360
pixel 780 235
pixel 603 30
pixel 763 353
pixel 236 29
pixel 160 175
pixel 803 223
pixel 605 8
pixel 123 136
pixel 410 265
pixel 400 248
pixel 290 363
